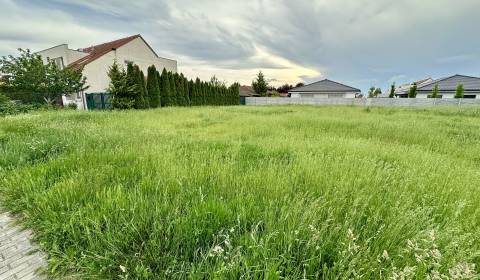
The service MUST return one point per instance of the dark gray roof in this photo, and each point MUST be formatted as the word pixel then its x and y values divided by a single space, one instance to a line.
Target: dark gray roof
pixel 451 83
pixel 325 86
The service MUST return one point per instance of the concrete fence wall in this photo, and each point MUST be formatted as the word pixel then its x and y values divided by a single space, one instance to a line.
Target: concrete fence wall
pixel 379 102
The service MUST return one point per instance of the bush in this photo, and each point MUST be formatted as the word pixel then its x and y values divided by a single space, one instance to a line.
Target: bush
pixel 12 108
pixel 459 93
pixel 25 97
pixel 4 98
pixel 72 106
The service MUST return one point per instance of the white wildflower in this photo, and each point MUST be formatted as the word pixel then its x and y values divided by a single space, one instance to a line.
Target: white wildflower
pixel 463 271
pixel 351 235
pixel 123 269
pixel 385 255
pixel 419 258
pixel 411 245
pixel 435 253
pixel 217 250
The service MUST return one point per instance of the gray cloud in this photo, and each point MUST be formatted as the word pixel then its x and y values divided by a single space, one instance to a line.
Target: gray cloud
pixel 362 42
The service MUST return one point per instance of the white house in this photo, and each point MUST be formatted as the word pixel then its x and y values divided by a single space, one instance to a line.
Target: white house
pixel 448 86
pixel 402 91
pixel 95 61
pixel 325 89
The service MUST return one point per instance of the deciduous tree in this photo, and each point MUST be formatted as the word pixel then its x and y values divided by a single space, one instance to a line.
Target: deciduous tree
pixel 27 75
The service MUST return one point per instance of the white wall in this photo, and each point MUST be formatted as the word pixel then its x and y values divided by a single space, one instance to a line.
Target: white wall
pixel 135 51
pixel 322 95
pixel 446 95
pixel 365 102
pixel 69 56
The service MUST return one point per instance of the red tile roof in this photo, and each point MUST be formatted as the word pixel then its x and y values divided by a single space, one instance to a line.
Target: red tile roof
pixel 95 52
pixel 247 89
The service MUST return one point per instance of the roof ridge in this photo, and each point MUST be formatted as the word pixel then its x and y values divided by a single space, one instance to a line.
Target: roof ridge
pixel 111 42
pixel 446 78
pixel 341 84
pixel 97 51
pixel 299 89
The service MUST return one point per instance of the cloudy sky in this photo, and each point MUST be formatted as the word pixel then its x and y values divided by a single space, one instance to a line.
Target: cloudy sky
pixel 358 42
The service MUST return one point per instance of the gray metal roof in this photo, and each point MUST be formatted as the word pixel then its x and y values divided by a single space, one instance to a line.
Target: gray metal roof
pixel 325 86
pixel 451 83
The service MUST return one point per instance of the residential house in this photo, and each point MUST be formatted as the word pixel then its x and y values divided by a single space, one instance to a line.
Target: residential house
pixel 325 89
pixel 95 61
pixel 403 90
pixel 247 91
pixel 448 86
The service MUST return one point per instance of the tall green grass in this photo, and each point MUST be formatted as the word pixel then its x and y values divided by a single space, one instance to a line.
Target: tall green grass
pixel 248 192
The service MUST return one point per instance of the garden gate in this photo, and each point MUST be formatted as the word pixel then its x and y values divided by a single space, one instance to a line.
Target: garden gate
pixel 99 101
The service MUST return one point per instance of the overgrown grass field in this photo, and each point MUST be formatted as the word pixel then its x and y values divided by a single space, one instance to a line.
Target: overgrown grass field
pixel 248 192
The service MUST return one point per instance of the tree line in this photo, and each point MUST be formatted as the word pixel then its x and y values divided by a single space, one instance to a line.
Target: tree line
pixel 131 90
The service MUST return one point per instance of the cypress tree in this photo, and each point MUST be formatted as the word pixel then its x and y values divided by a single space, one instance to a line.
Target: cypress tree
pixel 435 91
pixel 139 85
pixel 412 93
pixel 165 90
pixel 179 88
pixel 234 94
pixel 199 93
pixel 196 92
pixel 460 91
pixel 184 90
pixel 131 82
pixel 191 84
pixel 224 96
pixel 159 80
pixel 173 90
pixel 215 94
pixel 153 87
pixel 118 88
pixel 143 85
pixel 392 91
pixel 204 94
pixel 207 94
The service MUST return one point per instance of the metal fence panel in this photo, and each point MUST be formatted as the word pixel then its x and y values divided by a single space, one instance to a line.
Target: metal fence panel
pixel 99 101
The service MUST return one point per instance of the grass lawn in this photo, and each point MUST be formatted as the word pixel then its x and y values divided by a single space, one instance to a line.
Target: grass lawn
pixel 248 192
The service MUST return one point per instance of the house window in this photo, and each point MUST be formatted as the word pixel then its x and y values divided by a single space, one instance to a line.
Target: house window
pixel 59 62
pixel 470 96
pixel 438 96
